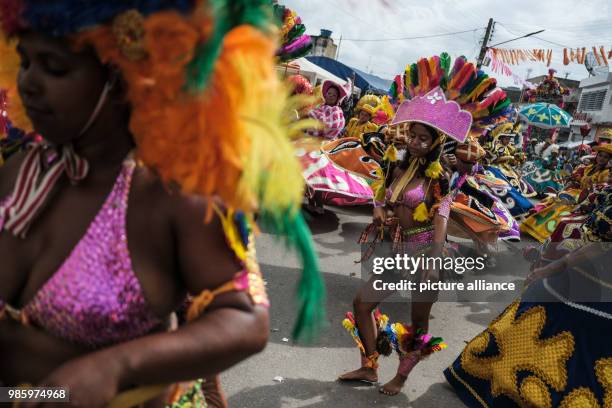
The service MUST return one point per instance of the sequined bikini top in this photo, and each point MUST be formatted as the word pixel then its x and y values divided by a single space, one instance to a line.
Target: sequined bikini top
pixel 94 299
pixel 411 198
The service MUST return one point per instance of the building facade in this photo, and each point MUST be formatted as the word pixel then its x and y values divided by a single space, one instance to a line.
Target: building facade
pixel 594 107
pixel 324 45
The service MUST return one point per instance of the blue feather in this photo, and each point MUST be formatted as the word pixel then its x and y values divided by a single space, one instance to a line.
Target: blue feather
pixel 59 18
pixel 243 227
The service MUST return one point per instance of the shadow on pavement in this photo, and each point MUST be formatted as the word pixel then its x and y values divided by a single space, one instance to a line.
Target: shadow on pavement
pixel 323 223
pixel 282 281
pixel 438 395
pixel 348 235
pixel 315 394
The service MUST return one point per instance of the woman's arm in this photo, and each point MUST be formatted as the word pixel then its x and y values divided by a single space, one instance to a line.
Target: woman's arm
pixel 230 330
pixel 440 224
pixel 582 256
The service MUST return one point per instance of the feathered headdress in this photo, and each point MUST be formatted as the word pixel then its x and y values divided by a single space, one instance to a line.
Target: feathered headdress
pixel 294 42
pixel 471 88
pixel 208 110
pixel 458 102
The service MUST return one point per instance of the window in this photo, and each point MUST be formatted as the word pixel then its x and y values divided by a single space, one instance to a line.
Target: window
pixel 592 101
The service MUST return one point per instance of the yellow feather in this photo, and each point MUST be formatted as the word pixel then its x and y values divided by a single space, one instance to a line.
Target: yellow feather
pixel 348 325
pixel 434 170
pixel 421 213
pixel 378 186
pixel 231 233
pixel 391 154
pixel 270 165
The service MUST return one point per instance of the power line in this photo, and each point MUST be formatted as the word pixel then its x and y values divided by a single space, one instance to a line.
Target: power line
pixel 410 38
pixel 536 37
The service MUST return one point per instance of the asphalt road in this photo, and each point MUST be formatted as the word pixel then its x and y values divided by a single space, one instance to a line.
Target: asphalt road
pixel 309 372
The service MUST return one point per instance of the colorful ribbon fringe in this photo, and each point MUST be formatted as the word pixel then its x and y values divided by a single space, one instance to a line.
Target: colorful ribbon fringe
pixel 400 337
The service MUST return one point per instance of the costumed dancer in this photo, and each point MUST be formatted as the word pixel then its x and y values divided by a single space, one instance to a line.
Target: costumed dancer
pixel 330 113
pixel 341 171
pixel 504 158
pixel 300 85
pixel 546 215
pixel 499 178
pixel 544 175
pixel 569 234
pixel 366 109
pixel 412 203
pixel 475 213
pixel 141 195
pixel 416 206
pixel 551 347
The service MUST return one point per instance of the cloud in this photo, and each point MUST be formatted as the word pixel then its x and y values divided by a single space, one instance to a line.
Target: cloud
pixel 574 23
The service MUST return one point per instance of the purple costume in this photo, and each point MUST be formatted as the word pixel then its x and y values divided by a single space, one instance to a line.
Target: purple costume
pixel 94 299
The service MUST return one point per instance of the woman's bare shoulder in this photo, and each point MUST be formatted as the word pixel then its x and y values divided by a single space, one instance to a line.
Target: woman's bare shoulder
pixel 154 194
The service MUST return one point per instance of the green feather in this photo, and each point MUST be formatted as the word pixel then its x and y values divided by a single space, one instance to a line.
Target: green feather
pixel 414 75
pixel 279 14
pixel 500 107
pixel 296 32
pixel 434 341
pixel 393 90
pixel 296 54
pixel 445 63
pixel 228 14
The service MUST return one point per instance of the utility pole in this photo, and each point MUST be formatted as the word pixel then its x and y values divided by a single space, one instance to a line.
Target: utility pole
pixel 485 43
pixel 338 50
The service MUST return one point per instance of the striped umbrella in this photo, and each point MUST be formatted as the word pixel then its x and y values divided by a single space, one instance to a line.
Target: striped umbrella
pixel 545 116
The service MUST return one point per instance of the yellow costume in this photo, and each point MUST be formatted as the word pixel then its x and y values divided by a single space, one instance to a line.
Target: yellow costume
pixel 543 223
pixel 369 104
pixel 354 129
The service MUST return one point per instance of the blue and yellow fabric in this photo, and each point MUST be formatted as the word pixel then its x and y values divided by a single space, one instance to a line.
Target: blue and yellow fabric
pixel 549 212
pixel 539 355
pixel 510 196
pixel 541 177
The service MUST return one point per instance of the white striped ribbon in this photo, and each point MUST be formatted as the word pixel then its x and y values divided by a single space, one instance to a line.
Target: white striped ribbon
pixel 35 181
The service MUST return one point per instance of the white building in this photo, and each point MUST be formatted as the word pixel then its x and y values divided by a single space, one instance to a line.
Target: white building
pixel 595 104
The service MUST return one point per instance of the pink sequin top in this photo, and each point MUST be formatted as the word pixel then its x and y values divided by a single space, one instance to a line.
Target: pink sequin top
pixel 412 198
pixel 94 299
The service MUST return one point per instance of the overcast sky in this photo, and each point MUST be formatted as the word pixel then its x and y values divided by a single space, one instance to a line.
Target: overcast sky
pixel 571 23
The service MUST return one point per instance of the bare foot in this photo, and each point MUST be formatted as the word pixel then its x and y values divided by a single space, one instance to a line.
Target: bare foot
pixel 394 386
pixel 364 374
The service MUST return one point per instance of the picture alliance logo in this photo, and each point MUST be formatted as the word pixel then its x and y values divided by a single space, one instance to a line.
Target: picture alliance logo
pixel 411 264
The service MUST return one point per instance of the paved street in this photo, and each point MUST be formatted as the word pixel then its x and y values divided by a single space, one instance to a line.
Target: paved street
pixel 309 372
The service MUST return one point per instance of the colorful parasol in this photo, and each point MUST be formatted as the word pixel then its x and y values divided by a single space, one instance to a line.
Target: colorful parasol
pixel 545 116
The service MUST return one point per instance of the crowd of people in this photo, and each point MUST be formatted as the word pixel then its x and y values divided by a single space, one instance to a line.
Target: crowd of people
pixel 439 174
pixel 128 211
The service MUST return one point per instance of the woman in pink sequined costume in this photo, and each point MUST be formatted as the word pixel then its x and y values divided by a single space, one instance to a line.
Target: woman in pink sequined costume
pixel 414 204
pixel 98 253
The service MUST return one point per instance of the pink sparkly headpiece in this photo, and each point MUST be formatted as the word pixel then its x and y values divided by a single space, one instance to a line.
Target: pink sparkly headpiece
pixel 434 110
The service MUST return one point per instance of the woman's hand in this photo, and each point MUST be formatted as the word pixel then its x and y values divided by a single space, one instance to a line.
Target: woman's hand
pixel 92 381
pixel 380 215
pixel 430 274
pixel 545 271
pixel 449 160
